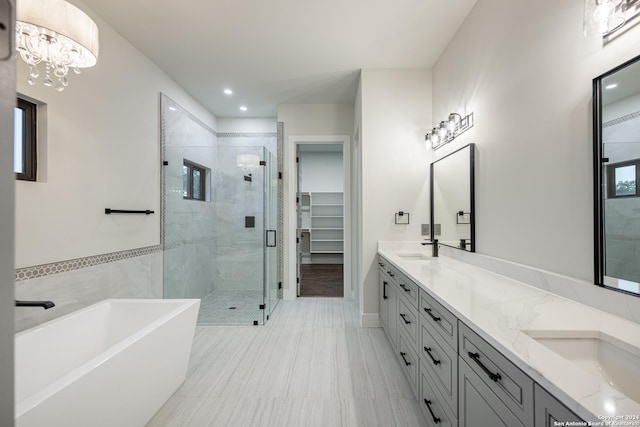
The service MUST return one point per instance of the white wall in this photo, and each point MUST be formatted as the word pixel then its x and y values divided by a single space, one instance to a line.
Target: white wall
pixel 306 119
pixel 321 171
pixel 7 89
pixel 249 124
pixel 525 70
pixel 103 150
pixel 395 116
pixel 356 191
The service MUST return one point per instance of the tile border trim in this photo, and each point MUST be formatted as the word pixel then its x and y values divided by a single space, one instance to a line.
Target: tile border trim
pixel 621 119
pixel 246 134
pixel 26 273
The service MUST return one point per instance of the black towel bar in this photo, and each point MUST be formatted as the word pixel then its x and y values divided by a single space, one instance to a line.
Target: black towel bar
pixel 109 211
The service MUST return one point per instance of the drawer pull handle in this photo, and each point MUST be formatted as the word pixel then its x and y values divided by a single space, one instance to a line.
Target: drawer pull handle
pixel 381 264
pixel 391 274
pixel 407 322
pixel 404 358
pixel 384 290
pixel 404 288
pixel 435 319
pixel 428 403
pixel 428 350
pixel 476 358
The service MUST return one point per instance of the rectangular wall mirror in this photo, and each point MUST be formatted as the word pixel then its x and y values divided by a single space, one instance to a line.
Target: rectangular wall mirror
pixel 452 199
pixel 616 130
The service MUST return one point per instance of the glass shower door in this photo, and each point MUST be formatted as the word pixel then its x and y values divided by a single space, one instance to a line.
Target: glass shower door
pixel 271 223
pixel 214 243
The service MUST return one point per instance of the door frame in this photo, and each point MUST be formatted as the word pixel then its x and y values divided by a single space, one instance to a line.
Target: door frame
pixel 290 293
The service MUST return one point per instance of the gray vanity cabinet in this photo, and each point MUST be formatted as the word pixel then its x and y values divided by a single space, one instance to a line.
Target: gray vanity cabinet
pixel 457 376
pixel 435 410
pixel 549 411
pixel 478 405
pixel 500 378
pixel 388 301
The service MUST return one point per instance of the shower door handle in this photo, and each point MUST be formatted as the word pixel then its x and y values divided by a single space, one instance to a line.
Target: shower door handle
pixel 269 241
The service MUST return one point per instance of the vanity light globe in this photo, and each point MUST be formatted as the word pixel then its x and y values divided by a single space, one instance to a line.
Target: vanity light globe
pixel 443 132
pixel 435 138
pixel 602 17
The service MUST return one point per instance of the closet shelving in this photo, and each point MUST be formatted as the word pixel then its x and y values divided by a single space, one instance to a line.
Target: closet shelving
pixel 327 222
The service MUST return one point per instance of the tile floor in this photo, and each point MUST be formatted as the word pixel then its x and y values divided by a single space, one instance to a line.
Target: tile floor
pixel 310 365
pixel 215 308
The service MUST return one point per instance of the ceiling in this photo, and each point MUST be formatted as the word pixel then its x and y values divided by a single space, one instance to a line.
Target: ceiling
pixel 281 51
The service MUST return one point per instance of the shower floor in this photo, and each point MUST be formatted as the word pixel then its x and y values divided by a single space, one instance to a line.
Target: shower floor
pixel 216 308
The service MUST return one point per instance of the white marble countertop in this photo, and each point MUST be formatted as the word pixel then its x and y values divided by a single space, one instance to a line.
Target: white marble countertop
pixel 499 309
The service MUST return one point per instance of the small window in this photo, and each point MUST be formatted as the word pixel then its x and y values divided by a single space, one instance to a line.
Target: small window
pixel 193 181
pixel 622 178
pixel 24 159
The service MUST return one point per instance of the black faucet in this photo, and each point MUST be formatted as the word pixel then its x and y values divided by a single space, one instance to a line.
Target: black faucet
pixel 44 304
pixel 434 247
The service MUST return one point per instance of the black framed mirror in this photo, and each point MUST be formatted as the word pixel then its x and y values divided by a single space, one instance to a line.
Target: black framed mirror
pixel 616 143
pixel 453 199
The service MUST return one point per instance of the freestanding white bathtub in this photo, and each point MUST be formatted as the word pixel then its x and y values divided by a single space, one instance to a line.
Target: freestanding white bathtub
pixel 114 363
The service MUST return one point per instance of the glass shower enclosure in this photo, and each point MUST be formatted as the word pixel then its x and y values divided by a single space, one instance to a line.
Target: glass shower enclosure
pixel 219 229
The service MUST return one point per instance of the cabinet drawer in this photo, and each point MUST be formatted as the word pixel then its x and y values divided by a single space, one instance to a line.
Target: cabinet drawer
pixel 408 360
pixel 441 362
pixel 512 386
pixel 436 411
pixel 439 319
pixel 386 268
pixel 409 289
pixel 408 321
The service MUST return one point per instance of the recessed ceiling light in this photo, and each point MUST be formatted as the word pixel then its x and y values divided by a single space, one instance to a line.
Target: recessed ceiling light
pixel 243 108
pixel 611 86
pixel 228 92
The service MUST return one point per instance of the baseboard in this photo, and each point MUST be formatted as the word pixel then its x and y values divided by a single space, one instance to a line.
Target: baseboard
pixel 370 320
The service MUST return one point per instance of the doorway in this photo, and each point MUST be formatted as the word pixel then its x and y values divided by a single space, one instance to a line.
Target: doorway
pixel 320 225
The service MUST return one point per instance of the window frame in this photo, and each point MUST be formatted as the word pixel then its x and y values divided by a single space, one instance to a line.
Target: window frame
pixel 611 178
pixel 29 140
pixel 203 175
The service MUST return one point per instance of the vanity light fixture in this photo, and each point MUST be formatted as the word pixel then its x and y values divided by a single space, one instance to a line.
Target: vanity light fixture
pixel 603 17
pixel 57 33
pixel 449 130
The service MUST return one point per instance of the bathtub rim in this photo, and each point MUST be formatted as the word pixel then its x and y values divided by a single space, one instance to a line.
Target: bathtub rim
pixel 23 406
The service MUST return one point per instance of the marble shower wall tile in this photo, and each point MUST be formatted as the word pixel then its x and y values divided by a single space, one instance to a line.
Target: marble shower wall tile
pixel 138 277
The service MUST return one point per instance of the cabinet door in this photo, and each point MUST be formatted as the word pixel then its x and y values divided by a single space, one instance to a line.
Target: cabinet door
pixel 549 411
pixel 392 307
pixel 384 302
pixel 478 405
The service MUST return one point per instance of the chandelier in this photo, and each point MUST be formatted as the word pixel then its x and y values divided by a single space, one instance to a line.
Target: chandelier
pixel 58 34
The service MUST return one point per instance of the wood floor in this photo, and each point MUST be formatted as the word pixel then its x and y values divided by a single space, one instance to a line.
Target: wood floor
pixel 321 280
pixel 310 365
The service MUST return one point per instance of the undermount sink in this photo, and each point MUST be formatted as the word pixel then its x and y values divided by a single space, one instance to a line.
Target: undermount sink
pixel 412 256
pixel 613 361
